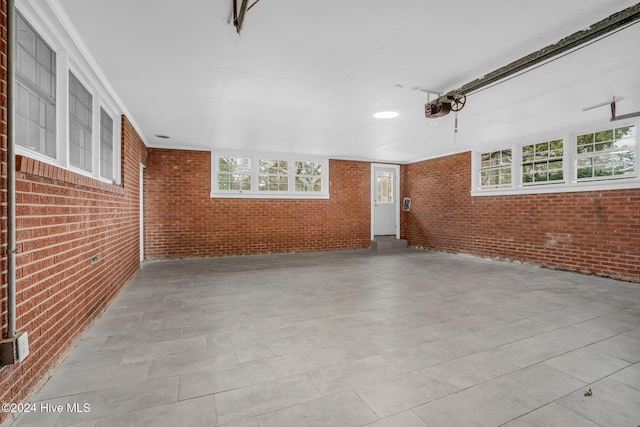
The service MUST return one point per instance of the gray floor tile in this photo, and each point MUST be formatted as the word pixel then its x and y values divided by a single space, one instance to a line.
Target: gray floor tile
pixel 476 406
pixel 403 419
pixel 247 422
pixel 154 350
pixel 84 359
pixel 471 341
pixel 611 404
pixel 261 398
pixel 633 333
pixel 527 352
pixel 226 378
pixel 419 357
pixel 393 395
pixel 587 364
pixel 536 385
pixel 93 379
pixel 120 328
pixel 608 325
pixel 90 344
pixel 569 338
pixel 472 370
pixel 629 376
pixel 352 374
pixel 109 318
pixel 309 360
pixel 199 412
pixel 120 400
pixel 40 416
pixel 187 363
pixel 551 415
pixel 153 336
pixel 623 347
pixel 343 409
pixel 334 335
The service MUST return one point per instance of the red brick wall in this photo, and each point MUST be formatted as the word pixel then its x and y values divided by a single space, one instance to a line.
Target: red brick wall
pixel 592 231
pixel 64 219
pixel 183 220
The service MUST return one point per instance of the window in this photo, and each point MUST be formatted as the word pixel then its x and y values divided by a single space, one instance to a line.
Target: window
pixel 273 175
pixel 80 113
pixel 106 145
pixel 495 170
pixel 384 187
pixel 308 176
pixel 268 175
pixel 542 163
pixel 606 154
pixel 234 173
pixel 79 133
pixel 597 158
pixel 35 100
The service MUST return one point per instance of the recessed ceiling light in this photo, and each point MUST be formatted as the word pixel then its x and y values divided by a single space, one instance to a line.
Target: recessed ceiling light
pixel 386 115
pixel 163 136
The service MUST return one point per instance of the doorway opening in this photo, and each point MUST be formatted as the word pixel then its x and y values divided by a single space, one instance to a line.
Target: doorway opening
pixel 385 208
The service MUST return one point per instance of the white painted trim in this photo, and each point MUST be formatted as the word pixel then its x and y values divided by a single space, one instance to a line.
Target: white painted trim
pixel 560 188
pixel 396 189
pixel 283 195
pixel 117 139
pixel 255 194
pixel 570 184
pixel 73 56
pixel 85 82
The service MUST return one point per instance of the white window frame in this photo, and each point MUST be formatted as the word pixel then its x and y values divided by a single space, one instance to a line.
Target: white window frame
pixel 603 153
pixel 498 167
pixel 255 192
pixel 70 59
pixel 81 79
pixel 280 176
pixel 113 142
pixel 56 97
pixel 546 160
pixel 571 183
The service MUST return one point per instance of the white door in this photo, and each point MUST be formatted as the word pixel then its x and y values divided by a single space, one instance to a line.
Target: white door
pixel 384 190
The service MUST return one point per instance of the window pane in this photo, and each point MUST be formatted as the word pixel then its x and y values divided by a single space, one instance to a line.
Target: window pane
pixel 80 110
pixel 585 139
pixel 547 166
pixel 308 176
pixel 493 173
pixel 606 135
pixel 611 153
pixel 106 145
pixel 384 185
pixel 35 91
pixel 272 175
pixel 234 173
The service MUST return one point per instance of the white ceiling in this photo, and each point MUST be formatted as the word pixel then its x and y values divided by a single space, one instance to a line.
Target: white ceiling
pixel 306 76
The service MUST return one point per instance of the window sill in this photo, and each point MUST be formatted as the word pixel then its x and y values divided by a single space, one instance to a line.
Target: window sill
pixel 561 188
pixel 238 195
pixel 29 166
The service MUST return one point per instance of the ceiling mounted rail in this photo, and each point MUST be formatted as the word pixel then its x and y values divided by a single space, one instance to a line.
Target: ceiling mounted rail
pixel 575 41
pixel 238 16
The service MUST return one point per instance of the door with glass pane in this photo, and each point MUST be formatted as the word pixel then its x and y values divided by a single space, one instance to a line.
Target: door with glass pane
pixel 385 200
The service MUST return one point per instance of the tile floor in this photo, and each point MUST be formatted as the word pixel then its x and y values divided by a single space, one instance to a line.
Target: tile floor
pixel 354 338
